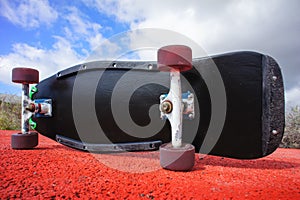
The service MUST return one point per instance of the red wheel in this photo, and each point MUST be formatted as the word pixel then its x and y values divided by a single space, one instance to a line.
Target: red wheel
pixel 25 75
pixel 177 57
pixel 24 141
pixel 177 159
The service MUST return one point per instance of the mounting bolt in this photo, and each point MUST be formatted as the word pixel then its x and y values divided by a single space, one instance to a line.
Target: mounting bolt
pixel 166 107
pixel 274 132
pixel 274 78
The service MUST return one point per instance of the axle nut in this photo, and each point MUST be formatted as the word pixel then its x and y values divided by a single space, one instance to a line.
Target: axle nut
pixel 166 107
pixel 31 107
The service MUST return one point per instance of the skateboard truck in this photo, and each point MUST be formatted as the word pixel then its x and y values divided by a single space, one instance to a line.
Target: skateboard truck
pixel 40 107
pixel 177 156
pixel 43 107
pixel 187 110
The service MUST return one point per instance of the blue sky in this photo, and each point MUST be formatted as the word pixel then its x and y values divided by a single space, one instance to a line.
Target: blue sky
pixel 29 26
pixel 51 35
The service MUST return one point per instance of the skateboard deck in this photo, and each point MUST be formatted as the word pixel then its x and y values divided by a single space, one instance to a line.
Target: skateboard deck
pixel 113 105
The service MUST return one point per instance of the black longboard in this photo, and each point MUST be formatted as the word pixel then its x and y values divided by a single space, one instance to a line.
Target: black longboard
pixel 86 99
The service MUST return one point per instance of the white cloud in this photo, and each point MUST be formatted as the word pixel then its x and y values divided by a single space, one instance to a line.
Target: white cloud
pixel 292 97
pixel 124 11
pixel 47 61
pixel 28 13
pixel 104 49
pixel 80 23
pixel 271 27
pixel 218 26
pixel 81 29
pixel 81 35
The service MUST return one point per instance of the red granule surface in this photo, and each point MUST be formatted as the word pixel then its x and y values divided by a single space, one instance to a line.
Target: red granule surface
pixel 53 171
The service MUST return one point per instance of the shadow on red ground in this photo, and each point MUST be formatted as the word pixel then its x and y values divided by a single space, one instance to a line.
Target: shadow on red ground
pixel 53 171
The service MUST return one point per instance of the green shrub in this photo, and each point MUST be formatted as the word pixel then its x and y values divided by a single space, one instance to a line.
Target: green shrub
pixel 10 115
pixel 291 137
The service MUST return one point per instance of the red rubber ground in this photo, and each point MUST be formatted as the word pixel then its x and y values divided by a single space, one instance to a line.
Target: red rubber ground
pixel 53 171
